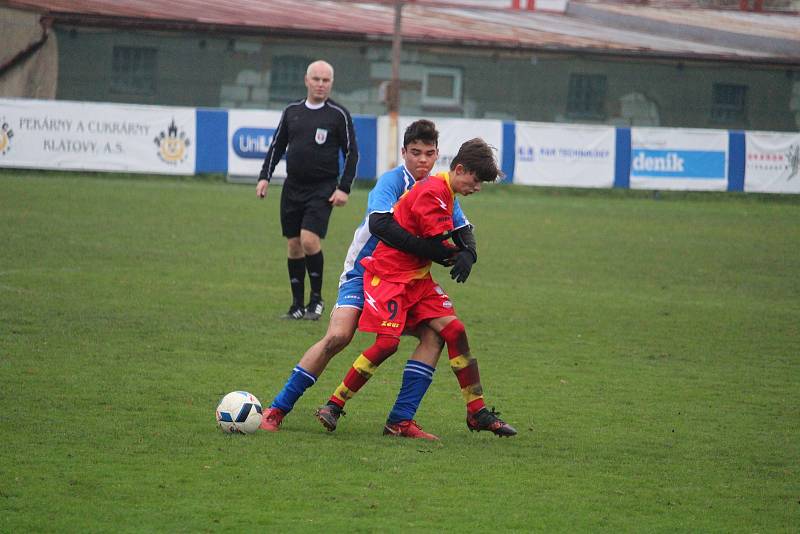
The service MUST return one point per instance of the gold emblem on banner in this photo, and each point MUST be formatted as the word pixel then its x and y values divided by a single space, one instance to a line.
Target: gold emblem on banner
pixel 173 145
pixel 6 133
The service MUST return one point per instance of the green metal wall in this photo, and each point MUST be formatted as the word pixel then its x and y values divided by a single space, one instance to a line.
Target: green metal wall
pixel 231 71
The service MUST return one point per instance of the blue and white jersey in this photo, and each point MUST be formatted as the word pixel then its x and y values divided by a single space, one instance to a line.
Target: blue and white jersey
pixel 390 187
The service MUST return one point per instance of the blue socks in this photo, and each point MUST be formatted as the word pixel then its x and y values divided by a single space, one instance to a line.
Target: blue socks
pixel 417 377
pixel 294 388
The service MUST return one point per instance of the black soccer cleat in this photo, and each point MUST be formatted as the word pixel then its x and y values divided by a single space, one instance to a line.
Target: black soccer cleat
pixel 483 419
pixel 314 310
pixel 329 415
pixel 295 313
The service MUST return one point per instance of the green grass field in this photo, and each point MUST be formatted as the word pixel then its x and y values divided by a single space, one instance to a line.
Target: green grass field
pixel 648 350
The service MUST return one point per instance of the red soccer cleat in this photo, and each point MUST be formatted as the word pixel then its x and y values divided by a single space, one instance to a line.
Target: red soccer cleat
pixel 271 419
pixel 407 429
pixel 329 415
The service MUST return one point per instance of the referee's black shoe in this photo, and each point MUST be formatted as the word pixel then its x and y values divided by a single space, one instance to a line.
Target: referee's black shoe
pixel 295 313
pixel 314 310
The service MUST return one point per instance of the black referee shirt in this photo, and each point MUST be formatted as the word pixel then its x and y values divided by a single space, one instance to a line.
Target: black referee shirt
pixel 312 139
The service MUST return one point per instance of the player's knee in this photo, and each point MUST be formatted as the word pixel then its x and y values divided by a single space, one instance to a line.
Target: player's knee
pixel 335 341
pixel 310 243
pixel 455 335
pixel 387 345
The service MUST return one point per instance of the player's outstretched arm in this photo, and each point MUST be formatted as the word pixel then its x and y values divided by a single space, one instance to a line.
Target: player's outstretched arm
pixel 384 227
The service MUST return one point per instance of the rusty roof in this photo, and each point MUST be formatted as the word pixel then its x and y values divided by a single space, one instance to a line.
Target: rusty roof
pixel 584 27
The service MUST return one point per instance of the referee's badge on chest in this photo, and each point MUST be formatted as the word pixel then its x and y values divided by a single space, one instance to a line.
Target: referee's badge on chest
pixel 322 135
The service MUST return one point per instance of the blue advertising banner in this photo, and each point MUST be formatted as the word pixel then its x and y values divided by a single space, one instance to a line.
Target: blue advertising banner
pixel 679 159
pixel 170 140
pixel 251 143
pixel 689 164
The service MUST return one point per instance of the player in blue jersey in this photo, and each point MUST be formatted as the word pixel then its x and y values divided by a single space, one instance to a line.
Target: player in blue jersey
pixel 420 151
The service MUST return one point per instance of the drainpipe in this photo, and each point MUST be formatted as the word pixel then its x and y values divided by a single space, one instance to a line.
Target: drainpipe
pixel 46 23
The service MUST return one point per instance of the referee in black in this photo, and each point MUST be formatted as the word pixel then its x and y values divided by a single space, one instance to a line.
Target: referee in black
pixel 311 132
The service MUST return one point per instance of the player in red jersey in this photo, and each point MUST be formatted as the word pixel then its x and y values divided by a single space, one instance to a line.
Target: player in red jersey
pixel 399 292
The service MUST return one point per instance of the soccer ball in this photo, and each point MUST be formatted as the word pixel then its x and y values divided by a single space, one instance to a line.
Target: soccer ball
pixel 239 412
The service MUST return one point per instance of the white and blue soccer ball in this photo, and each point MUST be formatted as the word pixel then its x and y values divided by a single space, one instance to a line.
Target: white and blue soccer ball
pixel 239 412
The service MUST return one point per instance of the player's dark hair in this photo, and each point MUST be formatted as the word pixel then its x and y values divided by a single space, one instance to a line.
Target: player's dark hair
pixel 477 156
pixel 423 131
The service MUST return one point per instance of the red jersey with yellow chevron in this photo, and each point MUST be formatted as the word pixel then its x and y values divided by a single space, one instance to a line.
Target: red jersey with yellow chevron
pixel 424 211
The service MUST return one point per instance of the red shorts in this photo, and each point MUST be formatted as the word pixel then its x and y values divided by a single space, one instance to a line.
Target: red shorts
pixel 392 307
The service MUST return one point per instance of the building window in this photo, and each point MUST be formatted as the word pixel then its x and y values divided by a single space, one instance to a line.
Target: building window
pixel 133 70
pixel 728 103
pixel 441 86
pixel 287 77
pixel 587 96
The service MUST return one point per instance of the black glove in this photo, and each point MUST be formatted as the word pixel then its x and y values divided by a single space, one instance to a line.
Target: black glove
pixel 463 265
pixel 434 249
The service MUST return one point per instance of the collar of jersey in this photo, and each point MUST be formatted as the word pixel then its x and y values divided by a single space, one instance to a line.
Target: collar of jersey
pixel 446 177
pixel 409 176
pixel 309 105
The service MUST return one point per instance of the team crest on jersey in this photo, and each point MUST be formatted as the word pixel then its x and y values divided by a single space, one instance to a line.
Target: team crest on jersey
pixel 6 133
pixel 322 136
pixel 172 145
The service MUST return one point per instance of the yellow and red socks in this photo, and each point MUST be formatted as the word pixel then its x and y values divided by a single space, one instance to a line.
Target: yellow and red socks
pixel 417 377
pixel 297 384
pixel 464 366
pixel 364 367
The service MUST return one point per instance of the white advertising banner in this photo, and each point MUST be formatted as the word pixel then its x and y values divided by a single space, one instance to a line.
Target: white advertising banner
pixel 52 134
pixel 564 155
pixel 772 162
pixel 249 135
pixel 679 159
pixel 452 133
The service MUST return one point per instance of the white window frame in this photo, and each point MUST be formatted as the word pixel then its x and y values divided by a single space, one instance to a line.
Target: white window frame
pixel 455 100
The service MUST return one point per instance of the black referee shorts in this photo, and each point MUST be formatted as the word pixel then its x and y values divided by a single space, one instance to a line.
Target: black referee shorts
pixel 306 207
